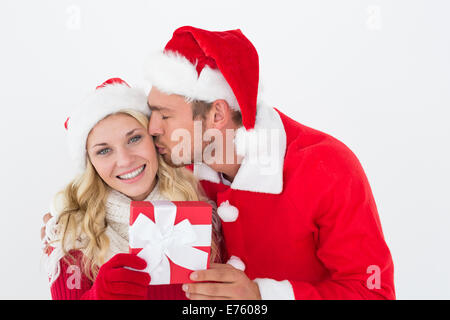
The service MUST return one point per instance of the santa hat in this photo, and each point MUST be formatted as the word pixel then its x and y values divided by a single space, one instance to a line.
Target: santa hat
pixel 111 96
pixel 208 65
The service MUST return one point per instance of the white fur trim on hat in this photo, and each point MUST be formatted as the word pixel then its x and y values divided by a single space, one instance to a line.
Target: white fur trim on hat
pixel 227 212
pixel 172 73
pixel 96 106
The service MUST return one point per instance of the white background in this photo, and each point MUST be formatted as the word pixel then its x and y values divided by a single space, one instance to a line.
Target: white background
pixel 374 74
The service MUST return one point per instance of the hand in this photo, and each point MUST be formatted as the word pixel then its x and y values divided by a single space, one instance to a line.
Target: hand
pixel 45 246
pixel 229 283
pixel 114 282
pixel 45 219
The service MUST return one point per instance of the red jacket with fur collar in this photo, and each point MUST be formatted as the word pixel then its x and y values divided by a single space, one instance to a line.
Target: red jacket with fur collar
pixel 310 230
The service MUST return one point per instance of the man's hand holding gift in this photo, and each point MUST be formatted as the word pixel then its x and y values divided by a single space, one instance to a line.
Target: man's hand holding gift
pixel 221 282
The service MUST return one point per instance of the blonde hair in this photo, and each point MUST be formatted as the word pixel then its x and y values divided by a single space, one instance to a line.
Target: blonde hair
pixel 85 202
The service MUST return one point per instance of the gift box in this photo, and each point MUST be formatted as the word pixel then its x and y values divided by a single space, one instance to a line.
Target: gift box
pixel 173 237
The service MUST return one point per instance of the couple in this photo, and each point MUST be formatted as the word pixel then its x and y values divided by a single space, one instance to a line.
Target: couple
pixel 297 216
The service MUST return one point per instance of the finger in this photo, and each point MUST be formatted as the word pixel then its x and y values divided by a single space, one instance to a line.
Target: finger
pixel 216 273
pixel 42 233
pixel 46 217
pixel 214 265
pixel 127 260
pixel 210 289
pixel 125 275
pixel 194 296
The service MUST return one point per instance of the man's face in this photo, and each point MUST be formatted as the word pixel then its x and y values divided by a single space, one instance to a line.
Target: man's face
pixel 172 126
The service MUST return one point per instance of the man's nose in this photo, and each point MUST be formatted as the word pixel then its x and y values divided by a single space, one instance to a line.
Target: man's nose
pixel 155 126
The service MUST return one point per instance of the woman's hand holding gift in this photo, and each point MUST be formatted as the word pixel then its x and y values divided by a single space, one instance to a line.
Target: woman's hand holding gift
pixel 116 282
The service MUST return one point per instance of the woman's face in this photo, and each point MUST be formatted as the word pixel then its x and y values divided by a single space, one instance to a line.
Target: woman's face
pixel 123 154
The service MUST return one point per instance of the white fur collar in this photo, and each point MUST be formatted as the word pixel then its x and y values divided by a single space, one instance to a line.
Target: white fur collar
pixel 263 149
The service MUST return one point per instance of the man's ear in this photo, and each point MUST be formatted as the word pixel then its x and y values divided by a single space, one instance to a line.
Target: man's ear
pixel 220 114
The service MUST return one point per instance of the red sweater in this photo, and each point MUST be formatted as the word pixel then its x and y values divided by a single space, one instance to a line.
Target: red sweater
pixel 322 233
pixel 65 288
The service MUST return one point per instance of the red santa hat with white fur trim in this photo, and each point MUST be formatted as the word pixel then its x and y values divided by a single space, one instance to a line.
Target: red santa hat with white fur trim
pixel 110 97
pixel 209 65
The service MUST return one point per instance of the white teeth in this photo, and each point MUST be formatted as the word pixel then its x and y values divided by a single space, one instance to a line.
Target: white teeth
pixel 133 174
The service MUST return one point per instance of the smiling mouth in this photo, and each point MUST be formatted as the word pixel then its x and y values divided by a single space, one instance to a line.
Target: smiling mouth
pixel 132 174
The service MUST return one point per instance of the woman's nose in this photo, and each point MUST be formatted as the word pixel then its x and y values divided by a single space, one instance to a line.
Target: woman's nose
pixel 124 157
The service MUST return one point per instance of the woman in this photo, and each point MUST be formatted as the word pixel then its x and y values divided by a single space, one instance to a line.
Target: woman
pixel 118 163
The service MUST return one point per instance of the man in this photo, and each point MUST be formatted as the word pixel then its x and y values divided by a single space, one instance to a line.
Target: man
pixel 298 215
pixel 297 209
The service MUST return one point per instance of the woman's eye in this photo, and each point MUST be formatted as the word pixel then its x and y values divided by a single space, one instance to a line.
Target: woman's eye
pixel 135 139
pixel 103 151
pixel 165 117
